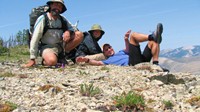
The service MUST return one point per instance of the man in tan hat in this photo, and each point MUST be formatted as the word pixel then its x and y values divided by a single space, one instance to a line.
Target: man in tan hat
pixel 89 47
pixel 52 39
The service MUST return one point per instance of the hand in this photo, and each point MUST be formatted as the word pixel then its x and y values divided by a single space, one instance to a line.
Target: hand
pixel 81 59
pixel 66 36
pixel 30 63
pixel 127 35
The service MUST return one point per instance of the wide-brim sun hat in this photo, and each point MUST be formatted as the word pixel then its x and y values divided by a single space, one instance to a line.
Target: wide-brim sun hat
pixel 59 1
pixel 96 27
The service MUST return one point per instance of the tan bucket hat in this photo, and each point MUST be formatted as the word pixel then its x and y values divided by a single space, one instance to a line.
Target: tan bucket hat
pixel 60 1
pixel 96 27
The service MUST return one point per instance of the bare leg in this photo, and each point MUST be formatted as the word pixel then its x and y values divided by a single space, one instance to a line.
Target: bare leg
pixel 155 49
pixel 50 59
pixel 136 38
pixel 77 38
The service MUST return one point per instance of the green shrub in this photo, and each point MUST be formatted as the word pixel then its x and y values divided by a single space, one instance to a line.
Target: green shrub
pixel 83 73
pixel 89 90
pixel 129 101
pixel 12 106
pixel 167 104
pixel 3 50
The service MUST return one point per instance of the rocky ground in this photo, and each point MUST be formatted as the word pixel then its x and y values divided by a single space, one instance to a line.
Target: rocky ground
pixel 44 89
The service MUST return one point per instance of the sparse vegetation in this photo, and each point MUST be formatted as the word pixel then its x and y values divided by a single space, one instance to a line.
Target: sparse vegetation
pixel 12 105
pixel 83 73
pixel 105 68
pixel 7 74
pixel 194 100
pixel 8 106
pixel 15 48
pixel 46 88
pixel 16 53
pixel 129 101
pixel 167 104
pixel 89 90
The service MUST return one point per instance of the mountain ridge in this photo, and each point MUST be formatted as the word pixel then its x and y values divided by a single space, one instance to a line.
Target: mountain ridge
pixel 182 59
pixel 185 51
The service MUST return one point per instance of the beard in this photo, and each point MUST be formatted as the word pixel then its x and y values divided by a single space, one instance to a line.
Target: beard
pixel 55 12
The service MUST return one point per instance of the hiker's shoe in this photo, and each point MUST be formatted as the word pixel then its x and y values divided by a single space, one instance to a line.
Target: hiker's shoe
pixel 164 69
pixel 157 35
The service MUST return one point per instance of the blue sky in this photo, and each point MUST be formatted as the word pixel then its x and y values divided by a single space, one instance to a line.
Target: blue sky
pixel 180 18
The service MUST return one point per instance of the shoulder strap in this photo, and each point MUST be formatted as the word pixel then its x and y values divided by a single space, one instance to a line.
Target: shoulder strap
pixel 64 24
pixel 47 25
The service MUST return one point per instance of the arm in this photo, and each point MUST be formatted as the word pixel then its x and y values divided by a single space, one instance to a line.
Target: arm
pixel 89 61
pixel 37 35
pixel 126 40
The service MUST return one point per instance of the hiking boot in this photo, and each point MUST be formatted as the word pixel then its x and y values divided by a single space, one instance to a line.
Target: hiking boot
pixel 157 35
pixel 164 69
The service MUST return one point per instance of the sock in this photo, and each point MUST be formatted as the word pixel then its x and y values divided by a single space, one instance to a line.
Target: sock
pixel 155 62
pixel 150 37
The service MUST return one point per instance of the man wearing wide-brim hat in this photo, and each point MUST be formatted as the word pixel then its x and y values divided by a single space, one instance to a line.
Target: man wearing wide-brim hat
pixel 55 34
pixel 89 47
pixel 58 1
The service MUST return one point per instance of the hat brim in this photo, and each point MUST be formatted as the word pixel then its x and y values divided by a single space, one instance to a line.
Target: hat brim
pixel 64 7
pixel 102 32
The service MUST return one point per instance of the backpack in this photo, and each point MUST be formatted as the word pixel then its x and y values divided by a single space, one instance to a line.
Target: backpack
pixel 35 13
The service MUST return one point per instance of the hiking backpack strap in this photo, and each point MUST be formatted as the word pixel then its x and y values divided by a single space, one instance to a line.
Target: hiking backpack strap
pixel 47 24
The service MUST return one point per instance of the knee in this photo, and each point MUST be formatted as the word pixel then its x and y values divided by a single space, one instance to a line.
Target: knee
pixel 133 39
pixel 79 34
pixel 153 44
pixel 133 35
pixel 51 62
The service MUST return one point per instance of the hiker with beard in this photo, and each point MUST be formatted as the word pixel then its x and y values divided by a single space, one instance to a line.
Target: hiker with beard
pixel 90 48
pixel 55 37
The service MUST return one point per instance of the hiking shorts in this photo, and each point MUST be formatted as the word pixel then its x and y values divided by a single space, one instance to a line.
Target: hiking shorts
pixel 56 49
pixel 135 55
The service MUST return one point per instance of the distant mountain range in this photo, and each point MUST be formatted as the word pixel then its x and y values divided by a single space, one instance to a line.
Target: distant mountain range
pixel 188 51
pixel 183 59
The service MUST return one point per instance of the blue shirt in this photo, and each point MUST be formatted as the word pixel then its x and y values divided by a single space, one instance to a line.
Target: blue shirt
pixel 121 58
